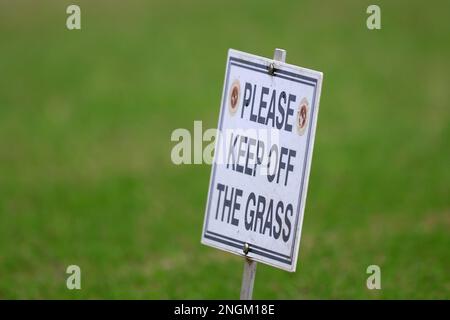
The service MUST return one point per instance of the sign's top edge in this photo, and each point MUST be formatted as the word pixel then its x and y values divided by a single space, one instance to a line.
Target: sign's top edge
pixel 282 65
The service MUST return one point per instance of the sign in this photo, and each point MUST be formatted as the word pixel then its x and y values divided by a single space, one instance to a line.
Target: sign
pixel 262 159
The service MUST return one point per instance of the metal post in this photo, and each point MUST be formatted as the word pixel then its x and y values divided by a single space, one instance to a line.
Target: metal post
pixel 248 278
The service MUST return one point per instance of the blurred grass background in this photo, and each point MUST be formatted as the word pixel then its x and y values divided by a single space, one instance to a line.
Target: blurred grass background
pixel 85 124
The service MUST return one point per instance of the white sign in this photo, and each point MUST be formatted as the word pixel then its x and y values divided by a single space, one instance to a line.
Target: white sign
pixel 262 159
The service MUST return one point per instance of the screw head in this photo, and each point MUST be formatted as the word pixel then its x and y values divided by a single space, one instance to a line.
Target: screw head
pixel 246 248
pixel 271 68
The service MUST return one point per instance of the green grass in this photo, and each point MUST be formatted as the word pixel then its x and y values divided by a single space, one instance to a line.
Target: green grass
pixel 85 170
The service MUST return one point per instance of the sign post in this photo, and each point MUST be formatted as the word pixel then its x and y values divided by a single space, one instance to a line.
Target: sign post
pixel 262 160
pixel 248 278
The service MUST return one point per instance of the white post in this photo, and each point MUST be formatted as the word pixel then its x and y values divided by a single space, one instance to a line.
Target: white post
pixel 248 278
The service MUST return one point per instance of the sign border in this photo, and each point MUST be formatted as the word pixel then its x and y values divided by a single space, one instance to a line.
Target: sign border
pixel 287 72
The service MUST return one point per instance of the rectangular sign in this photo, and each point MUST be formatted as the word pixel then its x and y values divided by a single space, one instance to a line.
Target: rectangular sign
pixel 262 159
